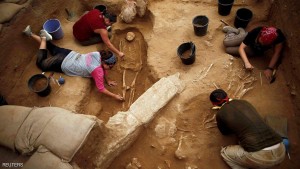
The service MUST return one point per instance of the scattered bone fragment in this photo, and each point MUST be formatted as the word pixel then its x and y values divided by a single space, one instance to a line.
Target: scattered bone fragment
pixel 207 43
pixel 58 90
pixel 178 152
pixel 247 76
pixel 210 120
pixel 208 70
pixel 201 76
pixel 250 80
pixel 168 163
pixel 211 125
pixel 243 92
pixel 217 87
pixel 136 162
pixel 131 166
pixel 238 89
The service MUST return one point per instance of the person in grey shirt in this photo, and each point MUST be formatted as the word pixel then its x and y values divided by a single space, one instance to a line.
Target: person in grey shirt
pixel 93 64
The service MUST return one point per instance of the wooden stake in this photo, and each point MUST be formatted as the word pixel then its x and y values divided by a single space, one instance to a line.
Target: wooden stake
pixel 224 22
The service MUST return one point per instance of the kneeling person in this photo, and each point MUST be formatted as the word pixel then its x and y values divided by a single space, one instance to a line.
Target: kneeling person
pixel 259 145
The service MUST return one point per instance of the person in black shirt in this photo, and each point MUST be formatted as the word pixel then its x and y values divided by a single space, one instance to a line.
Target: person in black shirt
pixel 259 145
pixel 256 42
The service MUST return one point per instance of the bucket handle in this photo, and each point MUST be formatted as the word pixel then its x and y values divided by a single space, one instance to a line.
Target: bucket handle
pixel 192 47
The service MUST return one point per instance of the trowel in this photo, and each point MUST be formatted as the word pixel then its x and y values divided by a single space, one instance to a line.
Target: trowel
pixel 273 78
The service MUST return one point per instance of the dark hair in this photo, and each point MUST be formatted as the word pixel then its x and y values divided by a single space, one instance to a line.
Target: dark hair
pixel 108 57
pixel 218 97
pixel 101 8
pixel 112 17
pixel 105 54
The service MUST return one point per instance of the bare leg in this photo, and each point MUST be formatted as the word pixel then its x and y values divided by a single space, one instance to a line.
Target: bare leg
pixel 36 38
pixel 43 43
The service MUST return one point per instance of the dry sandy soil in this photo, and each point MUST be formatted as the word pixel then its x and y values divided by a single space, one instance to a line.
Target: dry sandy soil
pixel 166 25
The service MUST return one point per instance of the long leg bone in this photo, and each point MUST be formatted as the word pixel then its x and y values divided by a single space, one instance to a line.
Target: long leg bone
pixel 132 89
pixel 124 88
pixel 121 45
pixel 178 152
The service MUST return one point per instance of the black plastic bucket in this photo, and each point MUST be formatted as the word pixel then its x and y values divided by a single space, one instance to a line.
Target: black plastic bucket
pixel 242 18
pixel 101 8
pixel 224 7
pixel 39 84
pixel 186 52
pixel 2 101
pixel 200 24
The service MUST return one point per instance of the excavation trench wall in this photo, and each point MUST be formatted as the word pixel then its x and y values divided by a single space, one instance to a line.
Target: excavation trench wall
pixel 285 14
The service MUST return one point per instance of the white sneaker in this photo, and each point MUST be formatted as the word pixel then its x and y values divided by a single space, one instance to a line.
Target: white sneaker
pixel 27 31
pixel 44 33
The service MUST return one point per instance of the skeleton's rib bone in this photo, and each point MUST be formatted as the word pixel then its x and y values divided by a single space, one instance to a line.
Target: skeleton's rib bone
pixel 229 86
pixel 209 120
pixel 237 90
pixel 243 92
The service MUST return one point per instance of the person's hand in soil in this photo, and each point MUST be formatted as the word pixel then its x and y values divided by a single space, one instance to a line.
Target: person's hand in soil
pixel 122 55
pixel 268 73
pixel 248 66
pixel 119 97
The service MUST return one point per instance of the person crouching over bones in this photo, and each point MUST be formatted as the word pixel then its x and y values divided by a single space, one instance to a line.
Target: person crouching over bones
pixel 259 145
